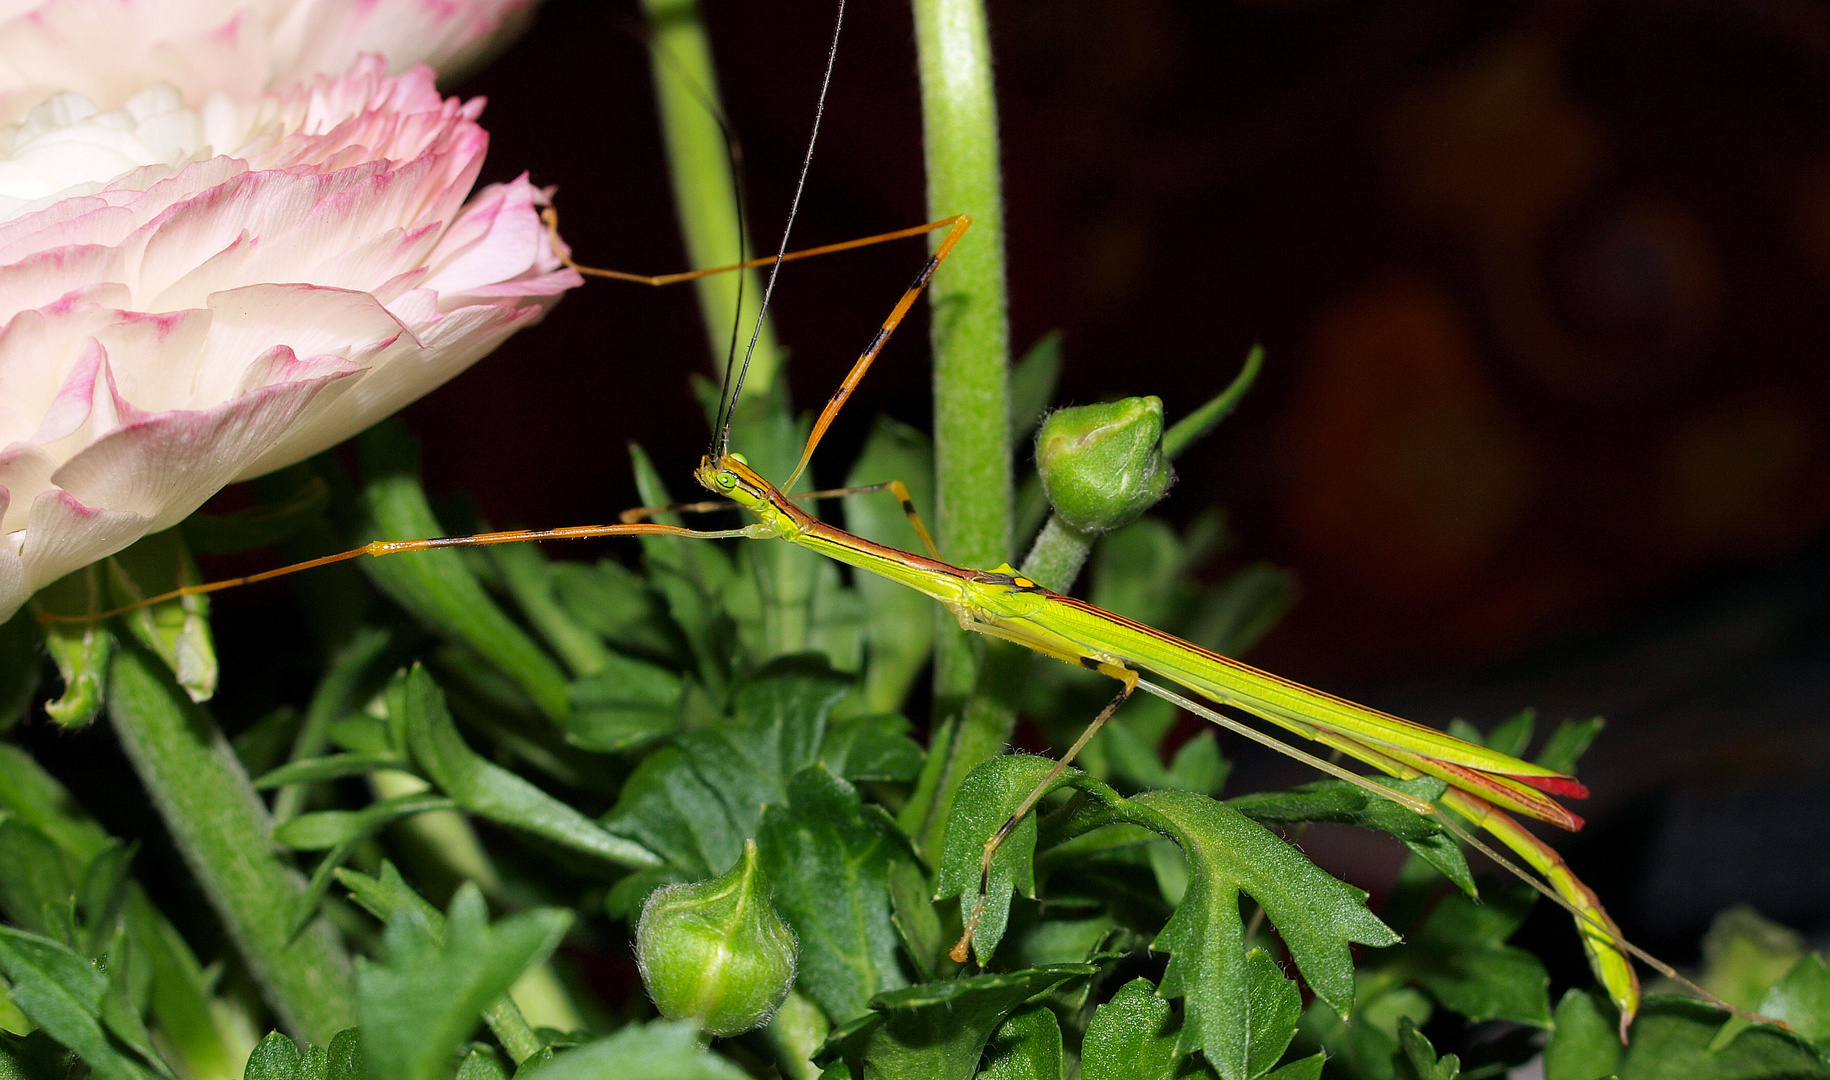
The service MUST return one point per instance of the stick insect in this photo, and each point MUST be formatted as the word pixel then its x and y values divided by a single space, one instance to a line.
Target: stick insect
pixel 1484 787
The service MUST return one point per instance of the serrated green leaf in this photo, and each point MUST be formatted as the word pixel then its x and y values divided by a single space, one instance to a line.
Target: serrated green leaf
pixel 659 1050
pixel 63 994
pixel 488 790
pixel 898 622
pixel 1585 1044
pixel 1460 956
pixel 937 1031
pixel 1198 766
pixel 424 1000
pixel 1317 916
pixel 873 747
pixel 624 703
pixel 386 895
pixel 1417 1059
pixel 983 803
pixel 1671 1040
pixel 694 804
pixel 1273 1006
pixel 437 586
pixel 527 574
pixel 1568 743
pixel 1309 1068
pixel 176 631
pixel 1134 1036
pixel 275 1058
pixel 343 1058
pixel 34 796
pixel 1027 1046
pixel 481 1064
pixel 1348 804
pixel 1802 999
pixel 618 605
pixel 37 890
pixel 1239 611
pixel 828 856
pixel 80 649
pixel 1745 953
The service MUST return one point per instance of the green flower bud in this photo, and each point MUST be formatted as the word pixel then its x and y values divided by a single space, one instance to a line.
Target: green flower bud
pixel 1103 465
pixel 715 952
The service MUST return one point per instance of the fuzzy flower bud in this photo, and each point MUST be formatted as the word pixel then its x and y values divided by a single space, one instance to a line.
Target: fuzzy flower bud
pixel 715 952
pixel 1103 465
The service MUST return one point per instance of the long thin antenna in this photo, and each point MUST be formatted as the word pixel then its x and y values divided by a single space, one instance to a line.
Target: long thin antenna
pixel 733 155
pixel 728 402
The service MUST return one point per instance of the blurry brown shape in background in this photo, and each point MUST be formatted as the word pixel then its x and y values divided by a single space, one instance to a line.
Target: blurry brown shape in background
pixel 1402 456
pixel 1494 146
pixel 1742 479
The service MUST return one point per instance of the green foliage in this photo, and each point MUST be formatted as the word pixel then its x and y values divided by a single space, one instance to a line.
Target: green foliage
pixel 655 1051
pixel 279 1058
pixel 611 730
pixel 429 992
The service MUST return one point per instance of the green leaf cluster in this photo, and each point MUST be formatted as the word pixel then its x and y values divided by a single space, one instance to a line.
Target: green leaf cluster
pixel 552 741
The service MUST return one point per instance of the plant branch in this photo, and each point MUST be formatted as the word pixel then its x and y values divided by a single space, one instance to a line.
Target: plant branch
pixel 223 831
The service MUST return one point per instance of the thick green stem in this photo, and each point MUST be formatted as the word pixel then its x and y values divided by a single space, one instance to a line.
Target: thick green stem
pixel 971 337
pixel 705 198
pixel 971 344
pixel 223 831
pixel 1055 559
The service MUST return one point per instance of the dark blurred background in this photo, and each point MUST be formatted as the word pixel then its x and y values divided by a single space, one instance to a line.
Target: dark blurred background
pixel 1546 419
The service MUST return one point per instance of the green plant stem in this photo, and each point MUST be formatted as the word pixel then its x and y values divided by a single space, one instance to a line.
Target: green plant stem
pixel 686 92
pixel 511 1029
pixel 971 337
pixel 1055 559
pixel 971 345
pixel 222 829
pixel 706 200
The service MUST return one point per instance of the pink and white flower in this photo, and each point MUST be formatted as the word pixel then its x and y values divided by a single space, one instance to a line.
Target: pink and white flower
pixel 110 50
pixel 190 297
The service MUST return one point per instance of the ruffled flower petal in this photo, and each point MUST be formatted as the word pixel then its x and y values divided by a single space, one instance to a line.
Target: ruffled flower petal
pixel 295 268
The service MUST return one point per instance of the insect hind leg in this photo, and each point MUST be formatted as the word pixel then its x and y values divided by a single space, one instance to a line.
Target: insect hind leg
pixel 1125 675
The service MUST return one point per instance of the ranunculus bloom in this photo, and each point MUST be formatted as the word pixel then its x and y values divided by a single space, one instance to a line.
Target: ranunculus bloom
pixel 110 50
pixel 194 297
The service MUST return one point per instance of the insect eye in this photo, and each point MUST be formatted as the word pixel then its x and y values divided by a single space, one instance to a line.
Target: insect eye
pixel 727 481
